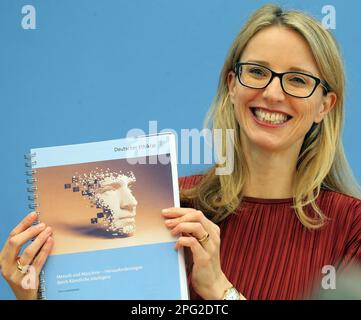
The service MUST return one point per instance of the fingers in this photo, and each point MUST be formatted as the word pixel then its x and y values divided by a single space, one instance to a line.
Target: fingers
pixel 24 224
pixel 176 212
pixel 25 283
pixel 202 238
pixel 193 224
pixel 194 228
pixel 43 254
pixel 34 255
pixel 30 252
pixel 14 244
pixel 200 256
pixel 176 216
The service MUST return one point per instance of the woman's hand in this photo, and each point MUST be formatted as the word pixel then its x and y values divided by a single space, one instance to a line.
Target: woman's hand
pixel 22 273
pixel 208 280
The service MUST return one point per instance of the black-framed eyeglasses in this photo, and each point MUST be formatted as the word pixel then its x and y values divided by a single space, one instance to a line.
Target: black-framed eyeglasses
pixel 296 84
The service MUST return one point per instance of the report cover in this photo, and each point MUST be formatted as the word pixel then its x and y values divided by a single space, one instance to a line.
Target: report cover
pixel 103 201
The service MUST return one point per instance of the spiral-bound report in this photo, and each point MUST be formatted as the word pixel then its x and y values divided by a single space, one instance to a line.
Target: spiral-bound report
pixel 103 201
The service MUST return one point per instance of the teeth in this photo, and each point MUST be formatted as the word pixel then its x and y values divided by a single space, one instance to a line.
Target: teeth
pixel 274 118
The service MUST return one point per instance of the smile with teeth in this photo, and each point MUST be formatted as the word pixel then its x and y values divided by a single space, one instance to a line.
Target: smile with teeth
pixel 270 117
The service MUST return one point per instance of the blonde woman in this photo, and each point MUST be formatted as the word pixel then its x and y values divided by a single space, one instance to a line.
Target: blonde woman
pixel 290 206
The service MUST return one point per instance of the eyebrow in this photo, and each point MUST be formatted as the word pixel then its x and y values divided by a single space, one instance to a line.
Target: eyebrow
pixel 108 187
pixel 266 64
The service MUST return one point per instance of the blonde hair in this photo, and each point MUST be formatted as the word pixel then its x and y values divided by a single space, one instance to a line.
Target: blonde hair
pixel 321 162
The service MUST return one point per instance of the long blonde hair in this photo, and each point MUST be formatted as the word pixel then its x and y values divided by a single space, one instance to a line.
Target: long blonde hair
pixel 321 162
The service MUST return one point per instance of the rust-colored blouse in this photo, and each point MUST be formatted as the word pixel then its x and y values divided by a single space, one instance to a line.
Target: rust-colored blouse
pixel 266 253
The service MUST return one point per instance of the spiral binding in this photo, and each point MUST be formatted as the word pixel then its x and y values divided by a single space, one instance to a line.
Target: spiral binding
pixel 33 199
pixel 30 173
pixel 31 181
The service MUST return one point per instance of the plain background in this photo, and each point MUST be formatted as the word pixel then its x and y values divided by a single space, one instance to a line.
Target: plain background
pixel 92 70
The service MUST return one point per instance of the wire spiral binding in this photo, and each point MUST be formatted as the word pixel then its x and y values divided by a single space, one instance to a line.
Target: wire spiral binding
pixel 32 181
pixel 30 173
pixel 33 199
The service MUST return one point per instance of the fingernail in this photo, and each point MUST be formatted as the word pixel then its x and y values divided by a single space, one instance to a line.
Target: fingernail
pixel 41 225
pixel 168 221
pixel 48 230
pixel 165 210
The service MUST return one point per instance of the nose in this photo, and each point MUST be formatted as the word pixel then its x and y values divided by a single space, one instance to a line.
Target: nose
pixel 128 201
pixel 274 92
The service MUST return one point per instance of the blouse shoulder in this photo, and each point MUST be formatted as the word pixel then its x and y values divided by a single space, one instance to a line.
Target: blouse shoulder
pixel 341 202
pixel 347 215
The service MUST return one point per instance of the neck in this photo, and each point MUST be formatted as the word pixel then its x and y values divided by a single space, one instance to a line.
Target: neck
pixel 271 173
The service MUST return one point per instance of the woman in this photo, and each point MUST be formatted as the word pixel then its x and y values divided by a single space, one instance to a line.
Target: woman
pixel 290 206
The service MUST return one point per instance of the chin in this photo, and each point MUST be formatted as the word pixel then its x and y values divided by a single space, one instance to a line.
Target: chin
pixel 125 227
pixel 270 147
pixel 266 142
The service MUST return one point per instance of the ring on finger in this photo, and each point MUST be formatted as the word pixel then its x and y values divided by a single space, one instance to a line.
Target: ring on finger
pixel 204 239
pixel 20 267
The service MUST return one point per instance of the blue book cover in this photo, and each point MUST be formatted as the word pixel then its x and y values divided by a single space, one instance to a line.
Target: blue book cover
pixel 103 201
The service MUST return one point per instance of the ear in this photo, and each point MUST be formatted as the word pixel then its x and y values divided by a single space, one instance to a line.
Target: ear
pixel 231 82
pixel 328 102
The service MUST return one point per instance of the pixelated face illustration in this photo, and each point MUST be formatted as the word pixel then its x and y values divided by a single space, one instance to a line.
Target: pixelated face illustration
pixel 111 192
pixel 115 194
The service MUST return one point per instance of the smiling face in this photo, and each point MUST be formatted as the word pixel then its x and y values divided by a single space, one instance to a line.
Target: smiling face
pixel 115 194
pixel 269 118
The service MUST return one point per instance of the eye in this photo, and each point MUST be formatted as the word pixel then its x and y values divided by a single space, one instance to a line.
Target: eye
pixel 257 72
pixel 105 189
pixel 297 80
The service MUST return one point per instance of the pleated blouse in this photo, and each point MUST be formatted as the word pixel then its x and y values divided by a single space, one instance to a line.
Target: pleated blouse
pixel 266 253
